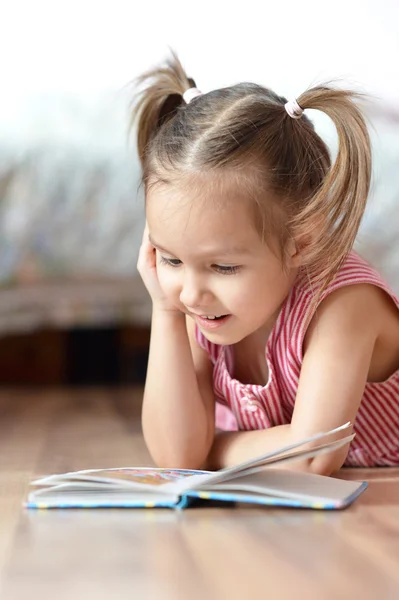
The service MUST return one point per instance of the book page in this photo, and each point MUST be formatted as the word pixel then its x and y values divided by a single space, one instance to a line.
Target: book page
pixel 269 457
pixel 127 477
pixel 292 456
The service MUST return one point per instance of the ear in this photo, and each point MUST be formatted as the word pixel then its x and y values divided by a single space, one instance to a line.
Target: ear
pixel 293 253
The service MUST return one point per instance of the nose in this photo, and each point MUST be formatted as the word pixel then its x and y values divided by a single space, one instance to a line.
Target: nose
pixel 194 292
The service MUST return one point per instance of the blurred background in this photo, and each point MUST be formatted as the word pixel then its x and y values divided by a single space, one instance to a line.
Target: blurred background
pixel 73 310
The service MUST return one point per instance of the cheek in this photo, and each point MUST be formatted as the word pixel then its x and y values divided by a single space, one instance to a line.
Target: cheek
pixel 253 294
pixel 236 291
pixel 168 280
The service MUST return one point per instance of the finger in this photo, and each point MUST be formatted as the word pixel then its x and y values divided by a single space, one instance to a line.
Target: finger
pixel 147 254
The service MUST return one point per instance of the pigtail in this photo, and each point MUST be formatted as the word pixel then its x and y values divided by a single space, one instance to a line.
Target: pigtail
pixel 158 100
pixel 332 215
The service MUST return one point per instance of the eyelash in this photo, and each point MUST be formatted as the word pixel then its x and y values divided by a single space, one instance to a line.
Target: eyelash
pixel 175 262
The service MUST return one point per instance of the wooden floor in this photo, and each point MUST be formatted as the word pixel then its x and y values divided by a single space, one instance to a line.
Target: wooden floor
pixel 212 553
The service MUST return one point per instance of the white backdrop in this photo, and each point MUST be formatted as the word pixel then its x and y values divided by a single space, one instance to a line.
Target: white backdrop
pixel 82 50
pixel 64 66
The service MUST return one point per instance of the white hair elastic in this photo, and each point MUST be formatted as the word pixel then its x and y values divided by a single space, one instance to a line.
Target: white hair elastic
pixel 190 94
pixel 293 109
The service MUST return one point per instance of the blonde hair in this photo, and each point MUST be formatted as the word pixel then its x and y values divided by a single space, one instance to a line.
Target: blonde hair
pixel 246 125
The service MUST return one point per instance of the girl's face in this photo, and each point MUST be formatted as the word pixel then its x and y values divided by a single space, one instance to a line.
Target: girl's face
pixel 211 262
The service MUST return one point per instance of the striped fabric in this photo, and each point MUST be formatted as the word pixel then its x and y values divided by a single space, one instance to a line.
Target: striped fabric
pixel 247 406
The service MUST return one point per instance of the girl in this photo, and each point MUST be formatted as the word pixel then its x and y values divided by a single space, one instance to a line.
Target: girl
pixel 265 323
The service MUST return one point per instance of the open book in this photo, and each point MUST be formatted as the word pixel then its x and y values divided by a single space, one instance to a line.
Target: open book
pixel 258 481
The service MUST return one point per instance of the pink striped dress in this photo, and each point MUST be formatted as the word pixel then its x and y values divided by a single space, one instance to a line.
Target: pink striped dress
pixel 247 406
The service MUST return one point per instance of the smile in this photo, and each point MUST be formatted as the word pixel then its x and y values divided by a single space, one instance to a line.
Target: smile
pixel 211 321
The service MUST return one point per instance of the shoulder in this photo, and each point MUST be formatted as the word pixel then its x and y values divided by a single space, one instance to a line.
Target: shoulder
pixel 357 309
pixel 353 311
pixel 356 298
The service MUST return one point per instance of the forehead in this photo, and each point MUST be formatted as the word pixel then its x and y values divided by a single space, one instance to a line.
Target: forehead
pixel 200 213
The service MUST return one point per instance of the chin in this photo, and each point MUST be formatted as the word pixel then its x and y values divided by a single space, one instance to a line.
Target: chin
pixel 223 338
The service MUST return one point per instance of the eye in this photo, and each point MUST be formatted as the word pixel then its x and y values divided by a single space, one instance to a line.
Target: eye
pixel 172 262
pixel 226 270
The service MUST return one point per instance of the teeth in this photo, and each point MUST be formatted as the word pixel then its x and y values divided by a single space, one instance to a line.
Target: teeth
pixel 211 318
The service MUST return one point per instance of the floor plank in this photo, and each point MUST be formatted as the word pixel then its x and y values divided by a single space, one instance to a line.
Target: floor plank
pixel 163 554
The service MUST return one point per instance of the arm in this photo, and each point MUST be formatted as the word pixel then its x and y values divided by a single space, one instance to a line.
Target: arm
pixel 178 408
pixel 338 349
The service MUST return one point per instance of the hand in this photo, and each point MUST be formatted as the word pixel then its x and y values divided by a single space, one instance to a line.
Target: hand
pixel 147 267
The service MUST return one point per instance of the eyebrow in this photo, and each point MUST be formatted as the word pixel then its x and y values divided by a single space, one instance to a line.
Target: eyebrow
pixel 231 250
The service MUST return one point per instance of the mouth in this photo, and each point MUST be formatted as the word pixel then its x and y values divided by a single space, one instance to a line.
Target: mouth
pixel 211 321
